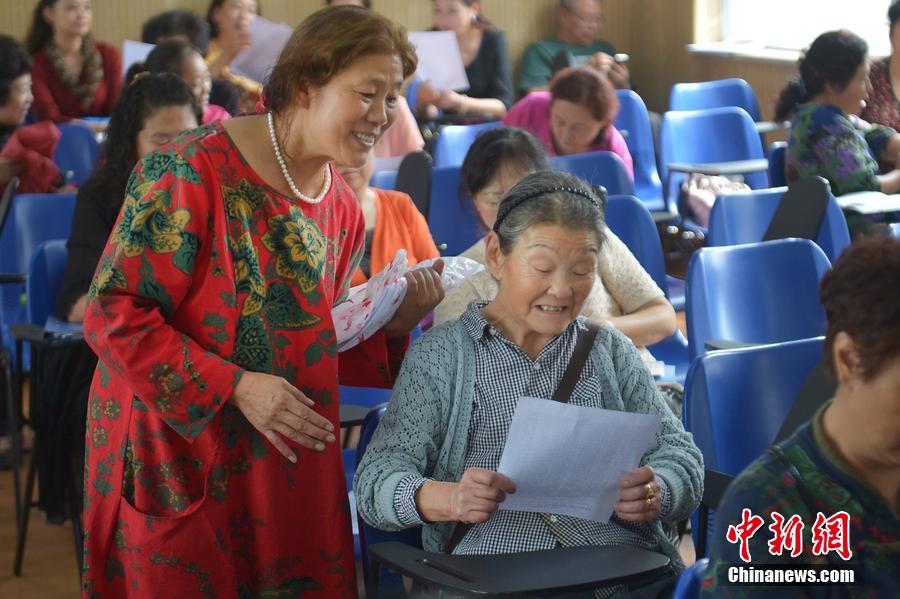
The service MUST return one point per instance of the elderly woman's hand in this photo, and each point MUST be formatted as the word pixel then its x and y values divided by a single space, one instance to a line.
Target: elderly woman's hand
pixel 424 292
pixel 478 494
pixel 641 497
pixel 276 408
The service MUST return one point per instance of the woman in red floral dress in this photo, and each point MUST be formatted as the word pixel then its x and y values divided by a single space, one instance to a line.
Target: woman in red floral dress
pixel 211 463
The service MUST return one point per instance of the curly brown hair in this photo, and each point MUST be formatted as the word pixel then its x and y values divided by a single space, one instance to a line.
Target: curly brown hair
pixel 327 42
pixel 861 296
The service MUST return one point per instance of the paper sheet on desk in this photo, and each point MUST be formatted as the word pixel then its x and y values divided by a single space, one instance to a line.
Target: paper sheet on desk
pixel 440 62
pixel 869 202
pixel 569 460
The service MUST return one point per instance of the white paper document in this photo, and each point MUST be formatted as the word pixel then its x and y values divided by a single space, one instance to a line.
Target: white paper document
pixel 569 460
pixel 269 39
pixel 869 202
pixel 133 52
pixel 440 62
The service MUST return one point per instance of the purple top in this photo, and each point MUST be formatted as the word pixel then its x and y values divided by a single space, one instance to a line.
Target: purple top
pixel 532 113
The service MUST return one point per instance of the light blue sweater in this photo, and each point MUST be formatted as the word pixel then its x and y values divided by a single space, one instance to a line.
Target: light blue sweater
pixel 425 429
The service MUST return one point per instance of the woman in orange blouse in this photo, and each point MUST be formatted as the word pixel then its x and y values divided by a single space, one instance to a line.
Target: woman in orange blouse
pixel 392 222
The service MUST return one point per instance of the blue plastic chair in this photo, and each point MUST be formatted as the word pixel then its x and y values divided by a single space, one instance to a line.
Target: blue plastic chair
pixel 758 293
pixel 690 581
pixel 633 122
pixel 777 174
pixel 715 94
pixel 736 401
pixel 453 141
pixel 738 218
pixel 33 219
pixel 48 263
pixel 708 136
pixel 384 180
pixel 598 168
pixel 78 151
pixel 632 222
pixel 629 219
pixel 391 584
pixel 451 216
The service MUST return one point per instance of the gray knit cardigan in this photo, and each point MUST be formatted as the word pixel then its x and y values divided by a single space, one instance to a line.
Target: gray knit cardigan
pixel 425 429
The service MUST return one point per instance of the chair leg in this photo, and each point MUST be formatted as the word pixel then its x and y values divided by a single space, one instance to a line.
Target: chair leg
pixel 12 411
pixel 27 501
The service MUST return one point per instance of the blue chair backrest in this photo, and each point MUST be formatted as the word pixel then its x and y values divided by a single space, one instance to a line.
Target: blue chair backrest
pixel 452 142
pixel 78 151
pixel 736 401
pixel 689 582
pixel 451 216
pixel 598 168
pixel 738 218
pixel 703 136
pixel 633 121
pixel 33 219
pixel 777 175
pixel 630 220
pixel 48 263
pixel 384 180
pixel 757 293
pixel 369 535
pixel 714 94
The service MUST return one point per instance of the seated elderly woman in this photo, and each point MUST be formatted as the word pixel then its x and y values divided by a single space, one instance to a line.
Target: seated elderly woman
pixel 434 457
pixel 841 470
pixel 624 294
pixel 575 116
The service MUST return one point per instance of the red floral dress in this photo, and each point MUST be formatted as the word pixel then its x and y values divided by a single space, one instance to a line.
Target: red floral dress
pixel 208 273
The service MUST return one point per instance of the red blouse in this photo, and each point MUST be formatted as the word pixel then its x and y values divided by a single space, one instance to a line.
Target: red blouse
pixel 52 99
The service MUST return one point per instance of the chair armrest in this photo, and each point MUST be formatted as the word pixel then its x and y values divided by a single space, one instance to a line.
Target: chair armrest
pixel 12 278
pixel 717 344
pixel 735 167
pixel 715 484
pixel 531 572
pixel 352 415
pixel 763 127
pixel 36 335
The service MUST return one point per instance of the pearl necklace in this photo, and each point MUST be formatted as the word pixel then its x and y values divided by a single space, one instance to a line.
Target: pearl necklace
pixel 287 175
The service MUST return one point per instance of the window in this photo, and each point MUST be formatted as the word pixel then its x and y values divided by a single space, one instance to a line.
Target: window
pixel 794 24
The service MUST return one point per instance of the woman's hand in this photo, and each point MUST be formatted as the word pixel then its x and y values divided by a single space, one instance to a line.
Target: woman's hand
pixel 8 169
pixel 641 497
pixel 423 293
pixel 478 494
pixel 278 409
pixel 473 499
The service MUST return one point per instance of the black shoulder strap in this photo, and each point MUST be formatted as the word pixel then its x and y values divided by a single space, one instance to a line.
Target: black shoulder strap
pixel 576 363
pixel 801 210
pixel 816 390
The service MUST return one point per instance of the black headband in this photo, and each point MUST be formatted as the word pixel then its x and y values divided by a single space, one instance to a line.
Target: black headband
pixel 507 207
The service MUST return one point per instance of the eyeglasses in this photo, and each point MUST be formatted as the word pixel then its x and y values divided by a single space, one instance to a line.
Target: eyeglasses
pixel 598 20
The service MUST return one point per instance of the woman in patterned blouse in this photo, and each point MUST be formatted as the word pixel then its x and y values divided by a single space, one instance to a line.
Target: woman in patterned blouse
pixel 434 457
pixel 827 137
pixel 883 107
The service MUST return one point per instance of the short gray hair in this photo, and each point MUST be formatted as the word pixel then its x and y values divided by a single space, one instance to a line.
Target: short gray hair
pixel 549 198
